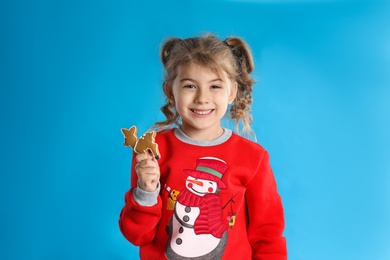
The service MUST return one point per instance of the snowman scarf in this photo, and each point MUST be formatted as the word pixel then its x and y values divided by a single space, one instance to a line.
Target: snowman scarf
pixel 209 220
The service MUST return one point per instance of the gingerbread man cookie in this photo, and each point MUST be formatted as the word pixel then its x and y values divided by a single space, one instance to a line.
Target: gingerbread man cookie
pixel 145 144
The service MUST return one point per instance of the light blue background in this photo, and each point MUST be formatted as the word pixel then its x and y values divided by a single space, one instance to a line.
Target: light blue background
pixel 72 73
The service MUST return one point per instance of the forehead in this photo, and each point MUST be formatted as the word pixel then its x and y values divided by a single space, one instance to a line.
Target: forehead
pixel 195 70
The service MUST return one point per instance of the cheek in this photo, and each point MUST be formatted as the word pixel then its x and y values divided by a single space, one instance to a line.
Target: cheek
pixel 180 104
pixel 189 185
pixel 211 189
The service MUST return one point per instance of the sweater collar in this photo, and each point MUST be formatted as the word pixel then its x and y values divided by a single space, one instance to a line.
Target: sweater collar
pixel 227 133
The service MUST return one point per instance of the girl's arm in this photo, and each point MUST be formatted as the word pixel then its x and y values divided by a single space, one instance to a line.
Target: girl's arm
pixel 266 216
pixel 141 213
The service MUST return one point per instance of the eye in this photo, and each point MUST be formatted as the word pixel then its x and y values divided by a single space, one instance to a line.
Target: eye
pixel 190 86
pixel 215 87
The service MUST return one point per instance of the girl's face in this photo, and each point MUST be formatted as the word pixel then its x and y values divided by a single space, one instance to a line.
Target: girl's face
pixel 201 97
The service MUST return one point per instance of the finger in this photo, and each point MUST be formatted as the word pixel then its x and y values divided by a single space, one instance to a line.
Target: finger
pixel 146 164
pixel 147 168
pixel 148 178
pixel 141 157
pixel 148 174
pixel 155 160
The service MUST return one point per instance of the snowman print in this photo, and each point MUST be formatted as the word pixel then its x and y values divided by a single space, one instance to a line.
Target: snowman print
pixel 196 229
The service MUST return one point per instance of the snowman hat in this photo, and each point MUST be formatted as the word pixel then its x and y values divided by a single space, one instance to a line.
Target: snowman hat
pixel 209 168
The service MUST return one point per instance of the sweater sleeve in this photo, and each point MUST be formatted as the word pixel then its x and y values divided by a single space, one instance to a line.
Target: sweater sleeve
pixel 266 216
pixel 137 222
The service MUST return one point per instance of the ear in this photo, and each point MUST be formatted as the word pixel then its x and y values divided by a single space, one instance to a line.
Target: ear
pixel 233 92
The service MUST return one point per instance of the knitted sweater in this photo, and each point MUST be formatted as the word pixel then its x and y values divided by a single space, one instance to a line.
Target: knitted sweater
pixel 216 200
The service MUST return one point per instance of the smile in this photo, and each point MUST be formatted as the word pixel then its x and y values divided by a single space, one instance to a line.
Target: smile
pixel 198 191
pixel 202 112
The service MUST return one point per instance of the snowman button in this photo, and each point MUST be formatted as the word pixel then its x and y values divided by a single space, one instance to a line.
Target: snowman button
pixel 186 218
pixel 179 241
pixel 187 209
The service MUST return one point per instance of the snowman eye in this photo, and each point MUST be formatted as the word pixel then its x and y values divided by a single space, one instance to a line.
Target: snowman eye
pixel 211 183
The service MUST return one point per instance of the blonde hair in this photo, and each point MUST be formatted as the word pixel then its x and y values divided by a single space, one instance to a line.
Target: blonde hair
pixel 231 55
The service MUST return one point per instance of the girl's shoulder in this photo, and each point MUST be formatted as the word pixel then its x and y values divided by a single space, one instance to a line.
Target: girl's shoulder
pixel 244 147
pixel 164 135
pixel 243 143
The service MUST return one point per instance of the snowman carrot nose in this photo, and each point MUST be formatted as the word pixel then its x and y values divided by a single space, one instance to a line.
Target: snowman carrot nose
pixel 196 182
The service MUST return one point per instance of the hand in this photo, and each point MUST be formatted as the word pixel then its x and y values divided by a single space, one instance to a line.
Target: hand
pixel 148 172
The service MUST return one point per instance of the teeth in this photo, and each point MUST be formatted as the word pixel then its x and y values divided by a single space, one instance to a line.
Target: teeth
pixel 203 112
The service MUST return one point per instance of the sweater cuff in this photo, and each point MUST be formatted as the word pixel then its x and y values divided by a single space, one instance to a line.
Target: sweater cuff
pixel 146 198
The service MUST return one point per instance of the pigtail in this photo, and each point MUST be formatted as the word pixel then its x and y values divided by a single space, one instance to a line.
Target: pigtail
pixel 167 49
pixel 242 54
pixel 241 108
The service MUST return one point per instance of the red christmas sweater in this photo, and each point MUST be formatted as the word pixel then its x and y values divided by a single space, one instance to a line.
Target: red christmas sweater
pixel 217 200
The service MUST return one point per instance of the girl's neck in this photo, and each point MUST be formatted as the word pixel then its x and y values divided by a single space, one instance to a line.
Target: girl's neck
pixel 202 135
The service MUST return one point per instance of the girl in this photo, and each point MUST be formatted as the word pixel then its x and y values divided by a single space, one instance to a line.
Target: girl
pixel 212 195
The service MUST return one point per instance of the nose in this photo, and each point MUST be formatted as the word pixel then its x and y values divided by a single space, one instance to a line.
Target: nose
pixel 202 97
pixel 196 182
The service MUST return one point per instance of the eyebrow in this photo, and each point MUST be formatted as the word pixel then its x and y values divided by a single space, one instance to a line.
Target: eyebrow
pixel 189 79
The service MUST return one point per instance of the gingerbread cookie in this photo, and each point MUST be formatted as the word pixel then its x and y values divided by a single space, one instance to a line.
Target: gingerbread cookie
pixel 144 144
